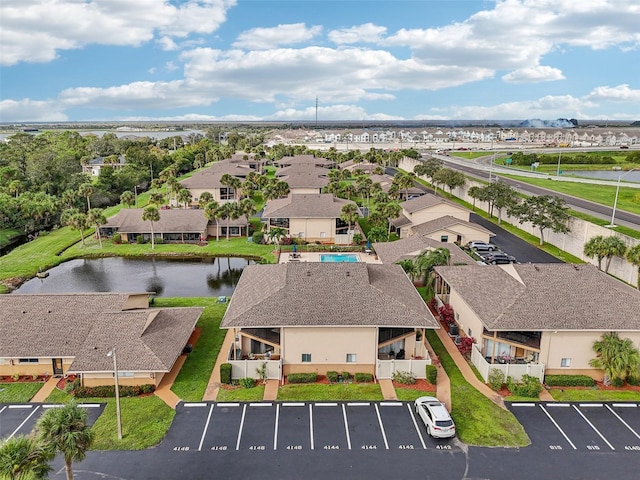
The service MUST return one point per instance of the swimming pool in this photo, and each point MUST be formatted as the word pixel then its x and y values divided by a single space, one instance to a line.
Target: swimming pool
pixel 338 258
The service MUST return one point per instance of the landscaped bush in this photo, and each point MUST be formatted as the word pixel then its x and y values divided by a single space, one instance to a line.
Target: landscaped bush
pixel 139 239
pixel 633 380
pixel 158 240
pixel 302 378
pixel 104 391
pixel 247 382
pixel 117 238
pixel 363 377
pixel 345 376
pixel 406 378
pixel 569 381
pixel 529 386
pixel 225 373
pixel 431 372
pixel 71 386
pixel 257 237
pixel 496 379
pixel 333 376
pixel 617 382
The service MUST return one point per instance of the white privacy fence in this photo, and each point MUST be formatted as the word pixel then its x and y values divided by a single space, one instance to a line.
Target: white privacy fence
pixel 249 369
pixel 386 368
pixel 515 371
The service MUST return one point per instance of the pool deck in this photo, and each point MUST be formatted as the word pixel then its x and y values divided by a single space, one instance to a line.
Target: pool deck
pixel 286 257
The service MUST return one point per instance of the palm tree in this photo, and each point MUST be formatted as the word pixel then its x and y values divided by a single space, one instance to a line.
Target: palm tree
pixel 183 195
pixel 96 217
pixel 475 192
pixel 230 181
pixel 25 457
pixel 156 198
pixel 213 212
pixel 409 268
pixel 151 214
pixel 633 256
pixel 349 214
pixel 616 356
pixel 86 190
pixel 594 248
pixel 66 430
pixel 127 198
pixel 205 198
pixel 74 219
pixel 231 211
pixel 248 209
pixel 613 247
pixel 275 233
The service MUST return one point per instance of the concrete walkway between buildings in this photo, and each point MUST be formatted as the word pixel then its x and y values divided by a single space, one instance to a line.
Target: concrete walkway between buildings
pixel 271 390
pixel 213 386
pixel 443 385
pixel 163 391
pixel 48 387
pixel 388 391
pixel 466 370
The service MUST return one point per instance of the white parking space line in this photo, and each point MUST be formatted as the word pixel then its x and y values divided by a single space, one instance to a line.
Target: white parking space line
pixel 623 422
pixel 275 429
pixel 623 405
pixel 261 404
pixel 346 426
pixel 311 425
pixel 326 404
pixel 244 411
pixel 20 426
pixel 358 404
pixel 20 406
pixel 558 426
pixel 384 435
pixel 206 426
pixel 3 409
pixel 594 428
pixel 415 424
pixel 590 404
pixel 89 405
pixel 558 404
pixel 189 405
pixel 296 404
pixel 55 405
pixel 390 404
pixel 523 404
pixel 228 404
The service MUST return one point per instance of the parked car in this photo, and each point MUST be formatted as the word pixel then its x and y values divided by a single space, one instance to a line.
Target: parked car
pixel 435 417
pixel 477 245
pixel 495 258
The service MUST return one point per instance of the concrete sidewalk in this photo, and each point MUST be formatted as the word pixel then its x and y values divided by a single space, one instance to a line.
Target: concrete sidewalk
pixel 213 386
pixel 443 385
pixel 48 387
pixel 163 391
pixel 388 390
pixel 271 390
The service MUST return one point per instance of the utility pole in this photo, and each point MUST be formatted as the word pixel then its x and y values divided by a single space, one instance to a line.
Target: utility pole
pixel 316 113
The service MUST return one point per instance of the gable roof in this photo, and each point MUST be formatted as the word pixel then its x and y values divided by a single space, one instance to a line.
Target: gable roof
pixel 296 159
pixel 553 296
pixel 410 247
pixel 326 294
pixel 428 200
pixel 312 205
pixel 175 220
pixel 210 177
pixel 87 325
pixel 302 180
pixel 446 223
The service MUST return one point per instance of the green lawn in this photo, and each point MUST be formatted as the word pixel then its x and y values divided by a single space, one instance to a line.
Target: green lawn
pixel 18 392
pixel 570 395
pixel 145 421
pixel 410 394
pixel 7 235
pixel 335 392
pixel 240 394
pixel 478 420
pixel 193 378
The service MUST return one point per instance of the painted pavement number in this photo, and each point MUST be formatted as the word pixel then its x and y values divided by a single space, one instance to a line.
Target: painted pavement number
pixel 220 432
pixel 587 426
pixel 258 427
pixel 402 429
pixel 294 427
pixel 329 431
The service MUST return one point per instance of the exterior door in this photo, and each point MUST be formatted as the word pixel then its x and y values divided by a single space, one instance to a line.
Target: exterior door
pixel 57 366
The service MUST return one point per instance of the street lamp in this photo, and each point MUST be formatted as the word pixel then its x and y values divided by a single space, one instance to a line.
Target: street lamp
pixel 558 170
pixel 615 202
pixel 135 191
pixel 112 353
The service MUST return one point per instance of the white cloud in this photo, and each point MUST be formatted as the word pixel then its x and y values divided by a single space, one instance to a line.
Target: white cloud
pixel 536 74
pixel 193 117
pixel 332 112
pixel 365 33
pixel 34 31
pixel 268 38
pixel 167 43
pixel 620 93
pixel 27 110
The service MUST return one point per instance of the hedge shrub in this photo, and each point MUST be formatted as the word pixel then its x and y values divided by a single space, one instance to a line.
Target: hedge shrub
pixel 225 373
pixel 432 374
pixel 496 379
pixel 363 377
pixel 569 381
pixel 529 386
pixel 302 377
pixel 247 382
pixel 333 376
pixel 345 376
pixel 405 378
pixel 110 391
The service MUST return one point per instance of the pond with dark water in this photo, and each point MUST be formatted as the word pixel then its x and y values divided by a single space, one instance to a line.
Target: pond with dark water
pixel 168 277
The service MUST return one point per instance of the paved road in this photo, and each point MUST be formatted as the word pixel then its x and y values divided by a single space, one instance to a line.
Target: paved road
pixel 623 218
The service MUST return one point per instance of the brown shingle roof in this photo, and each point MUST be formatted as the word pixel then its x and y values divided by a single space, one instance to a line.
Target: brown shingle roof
pixel 302 180
pixel 210 177
pixel 546 297
pixel 296 159
pixel 326 294
pixel 426 201
pixel 307 168
pixel 446 222
pixel 408 248
pixel 175 220
pixel 317 205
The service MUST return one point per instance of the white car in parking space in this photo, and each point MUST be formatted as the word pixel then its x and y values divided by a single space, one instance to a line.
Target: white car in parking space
pixel 435 417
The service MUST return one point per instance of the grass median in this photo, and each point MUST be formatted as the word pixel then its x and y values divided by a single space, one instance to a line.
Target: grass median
pixel 478 420
pixel 587 395
pixel 18 392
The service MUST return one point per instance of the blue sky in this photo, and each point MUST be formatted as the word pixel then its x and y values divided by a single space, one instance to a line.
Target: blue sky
pixel 221 60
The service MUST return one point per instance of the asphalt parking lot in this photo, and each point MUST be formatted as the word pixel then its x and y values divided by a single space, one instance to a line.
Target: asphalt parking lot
pixel 592 427
pixel 299 426
pixel 20 419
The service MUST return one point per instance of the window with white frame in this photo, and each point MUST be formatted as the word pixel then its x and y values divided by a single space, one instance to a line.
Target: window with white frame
pixel 565 362
pixel 351 357
pixel 306 358
pixel 27 360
